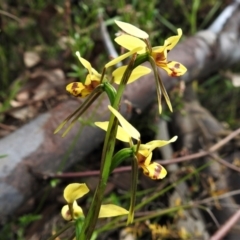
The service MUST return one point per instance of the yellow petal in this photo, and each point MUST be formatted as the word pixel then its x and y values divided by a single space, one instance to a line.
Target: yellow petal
pixel 77 212
pixel 92 77
pixel 159 56
pixel 122 135
pixel 74 191
pixel 95 73
pixel 75 88
pixel 158 49
pixel 84 62
pixel 130 42
pixel 147 160
pixel 174 69
pixel 66 213
pixel 171 42
pixel 133 132
pixel 143 150
pixel 88 80
pixel 157 143
pixel 110 210
pixel 154 171
pixel 120 58
pixel 132 30
pixel 136 73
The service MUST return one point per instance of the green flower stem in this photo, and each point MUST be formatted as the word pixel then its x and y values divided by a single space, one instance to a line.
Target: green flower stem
pixel 107 154
pixel 78 227
pixel 103 74
pixel 134 180
pixel 120 156
pixel 141 59
pixel 159 91
pixel 110 91
pixel 108 148
pixel 160 87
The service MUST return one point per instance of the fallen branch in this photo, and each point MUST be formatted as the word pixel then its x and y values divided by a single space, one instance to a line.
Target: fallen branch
pixel 195 156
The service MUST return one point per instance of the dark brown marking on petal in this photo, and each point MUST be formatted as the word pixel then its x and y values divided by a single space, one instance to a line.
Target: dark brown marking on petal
pixel 75 85
pixel 141 159
pixel 95 83
pixel 75 92
pixel 89 88
pixel 74 88
pixel 68 214
pixel 177 65
pixel 168 51
pixel 173 74
pixel 157 171
pixel 160 57
pixel 92 85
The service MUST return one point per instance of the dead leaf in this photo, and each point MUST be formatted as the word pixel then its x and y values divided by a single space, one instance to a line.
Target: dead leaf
pixel 22 96
pixel 31 59
pixel 43 91
pixel 234 77
pixel 236 80
pixel 16 104
pixel 55 76
pixel 24 113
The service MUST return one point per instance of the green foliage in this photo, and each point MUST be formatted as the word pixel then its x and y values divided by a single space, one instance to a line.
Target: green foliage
pixel 9 94
pixel 219 91
pixel 54 182
pixel 23 221
pixel 27 219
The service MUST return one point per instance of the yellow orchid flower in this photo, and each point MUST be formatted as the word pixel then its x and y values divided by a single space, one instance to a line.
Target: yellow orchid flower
pixel 78 89
pixel 152 169
pixel 92 80
pixel 126 132
pixel 72 211
pixel 158 53
pixel 157 56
